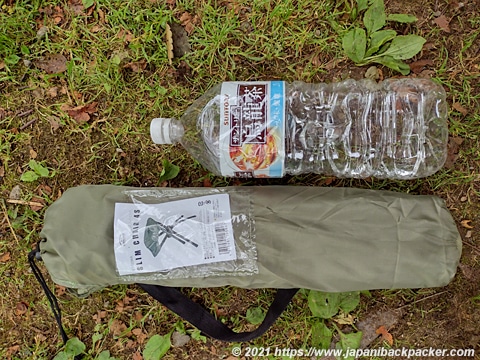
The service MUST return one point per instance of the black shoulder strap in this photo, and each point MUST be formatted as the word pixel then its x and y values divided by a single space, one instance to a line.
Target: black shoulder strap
pixel 57 313
pixel 191 311
pixel 202 319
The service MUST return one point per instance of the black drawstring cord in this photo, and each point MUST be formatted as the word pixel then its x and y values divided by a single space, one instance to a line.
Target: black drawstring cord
pixel 35 255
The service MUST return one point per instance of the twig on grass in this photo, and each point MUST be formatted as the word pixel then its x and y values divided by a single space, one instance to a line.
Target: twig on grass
pixel 422 299
pixel 472 246
pixel 23 202
pixel 4 209
pixel 24 126
pixel 25 113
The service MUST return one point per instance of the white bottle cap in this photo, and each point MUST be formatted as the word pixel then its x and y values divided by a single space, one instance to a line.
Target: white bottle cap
pixel 160 131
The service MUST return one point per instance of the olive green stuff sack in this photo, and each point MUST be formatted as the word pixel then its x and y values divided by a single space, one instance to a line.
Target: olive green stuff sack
pixel 328 239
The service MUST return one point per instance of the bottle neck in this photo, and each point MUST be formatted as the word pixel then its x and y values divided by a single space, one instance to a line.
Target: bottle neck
pixel 166 131
pixel 176 131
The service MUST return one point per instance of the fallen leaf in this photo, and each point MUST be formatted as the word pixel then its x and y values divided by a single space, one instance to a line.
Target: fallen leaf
pixel 128 299
pixel 453 148
pixel 54 123
pixel 185 18
pixel 2 65
pixel 37 203
pixel 207 182
pixel 120 306
pixel 52 92
pixel 78 8
pixel 101 15
pixel 38 93
pixel 316 61
pixel 137 356
pixel 138 316
pixel 130 344
pixel 457 140
pixel 443 23
pixel 60 290
pixel 52 64
pixel 44 190
pixel 139 335
pixel 457 106
pixel 219 311
pixel 466 224
pixel 418 66
pixel 332 64
pixel 189 28
pixel 468 235
pixel 329 180
pixel 80 114
pixel 99 316
pixel 117 327
pixel 456 5
pixel 188 21
pixel 125 35
pixel 21 308
pixel 5 257
pixel 95 29
pixel 80 117
pixel 137 66
pixel 13 350
pixel 33 154
pixel 169 41
pixel 58 19
pixel 236 7
pixel 427 74
pixel 58 15
pixel 385 334
pixel 429 46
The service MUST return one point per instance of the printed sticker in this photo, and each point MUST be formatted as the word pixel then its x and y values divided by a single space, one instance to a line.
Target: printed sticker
pixel 252 129
pixel 160 237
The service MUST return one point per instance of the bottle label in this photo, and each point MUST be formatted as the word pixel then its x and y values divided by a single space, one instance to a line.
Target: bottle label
pixel 160 237
pixel 252 129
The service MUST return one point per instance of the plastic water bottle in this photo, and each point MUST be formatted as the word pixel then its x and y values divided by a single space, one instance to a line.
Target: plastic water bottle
pixel 396 129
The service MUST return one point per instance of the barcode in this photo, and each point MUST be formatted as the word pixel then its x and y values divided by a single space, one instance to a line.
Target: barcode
pixel 221 234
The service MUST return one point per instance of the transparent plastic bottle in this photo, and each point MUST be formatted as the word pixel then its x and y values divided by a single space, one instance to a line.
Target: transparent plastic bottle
pixel 395 129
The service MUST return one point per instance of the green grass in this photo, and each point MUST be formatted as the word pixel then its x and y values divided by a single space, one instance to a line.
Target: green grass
pixel 234 40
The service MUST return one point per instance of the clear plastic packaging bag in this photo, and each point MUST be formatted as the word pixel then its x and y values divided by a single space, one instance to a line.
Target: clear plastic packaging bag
pixel 177 234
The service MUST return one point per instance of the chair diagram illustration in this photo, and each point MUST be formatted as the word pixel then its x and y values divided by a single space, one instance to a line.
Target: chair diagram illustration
pixel 156 234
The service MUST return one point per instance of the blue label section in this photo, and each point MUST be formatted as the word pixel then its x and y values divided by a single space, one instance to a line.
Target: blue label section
pixel 277 121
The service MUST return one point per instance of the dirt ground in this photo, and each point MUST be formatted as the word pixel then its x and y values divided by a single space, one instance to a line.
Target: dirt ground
pixel 444 318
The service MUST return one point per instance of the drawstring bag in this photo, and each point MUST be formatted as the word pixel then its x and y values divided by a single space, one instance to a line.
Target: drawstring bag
pixel 282 237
